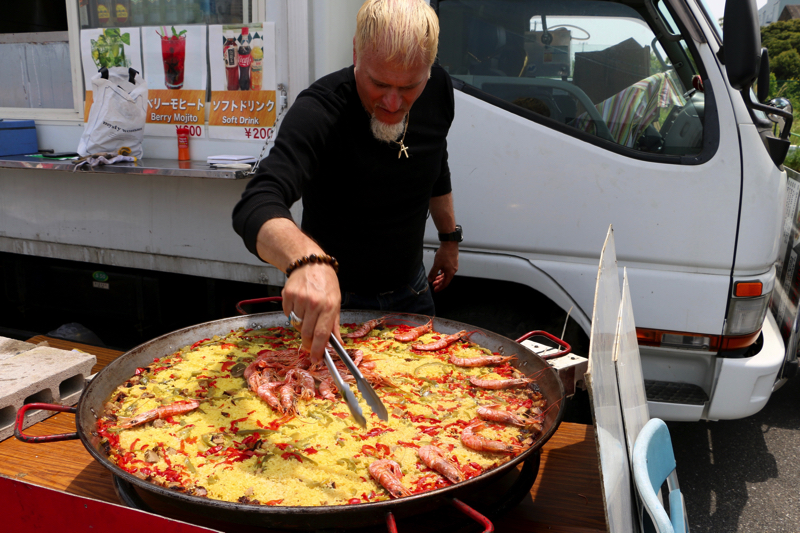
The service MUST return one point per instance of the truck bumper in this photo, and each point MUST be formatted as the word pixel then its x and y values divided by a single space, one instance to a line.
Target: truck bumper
pixel 745 385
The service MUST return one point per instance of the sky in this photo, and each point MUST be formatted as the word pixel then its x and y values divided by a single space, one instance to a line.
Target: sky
pixel 717 7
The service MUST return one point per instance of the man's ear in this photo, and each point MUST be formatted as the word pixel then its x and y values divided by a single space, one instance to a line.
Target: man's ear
pixel 354 51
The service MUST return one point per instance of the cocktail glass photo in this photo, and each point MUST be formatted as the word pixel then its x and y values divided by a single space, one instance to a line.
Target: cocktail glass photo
pixel 173 53
pixel 108 50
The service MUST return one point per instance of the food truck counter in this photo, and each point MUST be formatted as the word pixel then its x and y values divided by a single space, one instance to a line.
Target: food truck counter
pixel 566 496
pixel 161 167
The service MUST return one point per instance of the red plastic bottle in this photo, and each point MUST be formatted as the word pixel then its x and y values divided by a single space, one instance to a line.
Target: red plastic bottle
pixel 231 63
pixel 245 59
pixel 183 143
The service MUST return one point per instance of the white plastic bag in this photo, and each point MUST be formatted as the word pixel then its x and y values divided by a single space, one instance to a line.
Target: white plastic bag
pixel 118 113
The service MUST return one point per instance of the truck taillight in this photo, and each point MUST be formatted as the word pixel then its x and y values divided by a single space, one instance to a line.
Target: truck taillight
pixel 695 341
pixel 742 327
pixel 746 315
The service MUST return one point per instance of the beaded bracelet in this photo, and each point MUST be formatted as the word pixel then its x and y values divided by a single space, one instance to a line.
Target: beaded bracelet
pixel 313 258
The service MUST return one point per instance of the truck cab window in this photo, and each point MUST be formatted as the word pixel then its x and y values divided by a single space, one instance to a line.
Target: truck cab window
pixel 595 66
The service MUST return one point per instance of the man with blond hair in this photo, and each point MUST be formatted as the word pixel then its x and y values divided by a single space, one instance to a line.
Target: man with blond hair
pixel 366 149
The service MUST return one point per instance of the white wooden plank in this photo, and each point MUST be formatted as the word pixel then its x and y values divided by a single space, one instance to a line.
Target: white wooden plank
pixel 629 371
pixel 601 380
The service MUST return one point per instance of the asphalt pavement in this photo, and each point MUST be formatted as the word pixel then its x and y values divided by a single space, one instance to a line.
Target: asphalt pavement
pixel 743 475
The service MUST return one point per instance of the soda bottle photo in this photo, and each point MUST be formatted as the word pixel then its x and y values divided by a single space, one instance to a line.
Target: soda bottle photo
pixel 103 11
pixel 153 9
pixel 138 13
pixel 245 59
pixel 229 51
pixel 256 70
pixel 121 12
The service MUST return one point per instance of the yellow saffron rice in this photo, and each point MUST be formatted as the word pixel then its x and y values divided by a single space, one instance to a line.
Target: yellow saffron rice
pixel 234 447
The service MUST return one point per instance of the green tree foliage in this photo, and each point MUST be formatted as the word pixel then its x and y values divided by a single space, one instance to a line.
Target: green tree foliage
pixel 779 37
pixel 786 65
pixel 782 39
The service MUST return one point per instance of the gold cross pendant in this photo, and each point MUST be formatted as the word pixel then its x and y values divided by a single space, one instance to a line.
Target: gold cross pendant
pixel 403 150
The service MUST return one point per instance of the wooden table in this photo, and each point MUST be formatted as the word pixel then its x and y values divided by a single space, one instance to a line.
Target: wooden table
pixel 566 497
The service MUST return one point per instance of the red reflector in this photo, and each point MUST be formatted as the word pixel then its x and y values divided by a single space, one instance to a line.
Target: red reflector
pixel 747 288
pixel 716 343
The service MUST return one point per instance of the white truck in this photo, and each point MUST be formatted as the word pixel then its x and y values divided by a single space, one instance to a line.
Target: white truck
pixel 573 115
pixel 570 115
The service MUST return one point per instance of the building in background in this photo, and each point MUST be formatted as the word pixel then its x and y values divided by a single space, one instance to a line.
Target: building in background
pixel 789 13
pixel 773 11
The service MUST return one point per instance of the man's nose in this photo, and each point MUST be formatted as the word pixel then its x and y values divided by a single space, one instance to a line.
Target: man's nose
pixel 392 101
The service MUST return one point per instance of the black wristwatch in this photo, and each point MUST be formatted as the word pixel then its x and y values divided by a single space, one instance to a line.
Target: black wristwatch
pixel 457 235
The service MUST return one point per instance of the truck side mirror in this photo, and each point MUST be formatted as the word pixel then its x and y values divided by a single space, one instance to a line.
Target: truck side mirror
pixel 744 58
pixel 741 40
pixel 763 76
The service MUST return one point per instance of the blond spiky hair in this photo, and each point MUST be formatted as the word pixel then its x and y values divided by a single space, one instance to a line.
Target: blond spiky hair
pixel 407 31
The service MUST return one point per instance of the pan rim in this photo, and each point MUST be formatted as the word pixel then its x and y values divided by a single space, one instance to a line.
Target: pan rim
pixel 422 501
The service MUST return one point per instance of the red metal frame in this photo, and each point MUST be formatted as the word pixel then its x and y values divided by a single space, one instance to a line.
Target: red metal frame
pixel 565 348
pixel 42 438
pixel 458 504
pixel 475 515
pixel 256 301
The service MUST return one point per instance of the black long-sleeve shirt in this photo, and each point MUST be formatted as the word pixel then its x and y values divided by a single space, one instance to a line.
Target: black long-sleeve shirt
pixel 361 203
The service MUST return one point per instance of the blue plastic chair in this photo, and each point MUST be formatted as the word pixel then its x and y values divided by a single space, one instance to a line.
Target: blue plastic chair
pixel 654 463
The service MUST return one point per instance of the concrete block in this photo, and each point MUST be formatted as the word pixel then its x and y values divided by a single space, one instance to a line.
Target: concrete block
pixel 39 374
pixel 12 347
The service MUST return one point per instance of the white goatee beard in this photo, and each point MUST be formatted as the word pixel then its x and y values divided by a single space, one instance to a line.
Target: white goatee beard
pixel 386 132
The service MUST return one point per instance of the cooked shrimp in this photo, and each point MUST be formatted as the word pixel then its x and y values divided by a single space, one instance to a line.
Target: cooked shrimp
pixel 482 444
pixel 482 360
pixel 435 459
pixel 287 398
pixel 388 474
pixel 327 388
pixel 177 408
pixel 497 384
pixel 365 328
pixel 444 342
pixel 305 381
pixel 414 333
pixel 505 417
pixel 266 391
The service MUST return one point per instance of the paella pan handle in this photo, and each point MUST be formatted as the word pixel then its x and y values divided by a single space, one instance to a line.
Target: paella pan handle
pixel 565 348
pixel 256 301
pixel 42 438
pixel 458 504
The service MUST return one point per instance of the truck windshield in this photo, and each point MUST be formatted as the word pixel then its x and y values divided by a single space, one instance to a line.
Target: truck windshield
pixel 593 65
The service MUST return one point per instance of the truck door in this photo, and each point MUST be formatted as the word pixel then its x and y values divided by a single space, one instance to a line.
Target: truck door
pixel 575 114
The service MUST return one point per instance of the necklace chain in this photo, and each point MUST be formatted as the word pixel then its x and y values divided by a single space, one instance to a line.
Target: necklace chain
pixel 403 147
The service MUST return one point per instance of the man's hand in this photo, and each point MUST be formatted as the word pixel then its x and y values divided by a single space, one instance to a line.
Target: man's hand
pixel 445 265
pixel 312 292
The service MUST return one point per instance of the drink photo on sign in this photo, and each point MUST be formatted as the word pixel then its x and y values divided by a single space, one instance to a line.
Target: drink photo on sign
pixel 243 55
pixel 175 59
pixel 173 55
pixel 243 103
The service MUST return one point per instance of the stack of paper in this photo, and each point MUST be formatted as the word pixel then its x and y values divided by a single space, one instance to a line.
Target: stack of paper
pixel 229 159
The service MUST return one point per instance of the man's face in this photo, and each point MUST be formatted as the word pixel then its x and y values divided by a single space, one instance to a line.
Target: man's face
pixel 387 89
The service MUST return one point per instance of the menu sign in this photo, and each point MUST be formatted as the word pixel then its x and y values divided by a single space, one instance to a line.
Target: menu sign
pixel 243 86
pixel 175 69
pixel 106 48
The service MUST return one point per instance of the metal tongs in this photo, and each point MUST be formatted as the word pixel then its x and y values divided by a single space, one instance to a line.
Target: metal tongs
pixel 367 392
